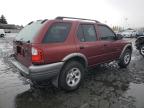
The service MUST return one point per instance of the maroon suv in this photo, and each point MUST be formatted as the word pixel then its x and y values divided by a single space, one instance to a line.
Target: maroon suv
pixel 61 50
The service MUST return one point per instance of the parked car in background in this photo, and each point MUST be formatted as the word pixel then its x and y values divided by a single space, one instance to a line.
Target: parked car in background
pixel 62 50
pixel 2 33
pixel 138 34
pixel 128 34
pixel 140 44
pixel 117 32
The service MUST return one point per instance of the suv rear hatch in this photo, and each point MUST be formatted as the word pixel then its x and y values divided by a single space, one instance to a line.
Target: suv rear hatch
pixel 22 44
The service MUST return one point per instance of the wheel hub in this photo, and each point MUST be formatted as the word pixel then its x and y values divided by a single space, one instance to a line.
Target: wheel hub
pixel 142 50
pixel 127 58
pixel 73 77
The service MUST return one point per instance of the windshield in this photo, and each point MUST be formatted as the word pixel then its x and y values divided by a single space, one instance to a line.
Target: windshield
pixel 29 32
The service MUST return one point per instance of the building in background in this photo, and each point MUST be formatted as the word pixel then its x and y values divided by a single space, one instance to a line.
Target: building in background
pixel 10 28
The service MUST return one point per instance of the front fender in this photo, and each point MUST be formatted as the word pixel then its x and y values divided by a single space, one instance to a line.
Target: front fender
pixel 127 46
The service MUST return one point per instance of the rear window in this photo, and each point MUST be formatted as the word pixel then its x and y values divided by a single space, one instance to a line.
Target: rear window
pixel 58 32
pixel 29 32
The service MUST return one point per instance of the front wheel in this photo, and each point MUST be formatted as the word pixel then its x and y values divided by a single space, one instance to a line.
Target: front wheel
pixel 142 50
pixel 125 59
pixel 71 76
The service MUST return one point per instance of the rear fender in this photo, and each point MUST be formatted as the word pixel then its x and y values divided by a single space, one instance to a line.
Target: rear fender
pixel 76 55
pixel 65 59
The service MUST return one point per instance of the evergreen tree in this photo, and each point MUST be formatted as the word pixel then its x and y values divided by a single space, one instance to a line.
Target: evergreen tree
pixel 3 20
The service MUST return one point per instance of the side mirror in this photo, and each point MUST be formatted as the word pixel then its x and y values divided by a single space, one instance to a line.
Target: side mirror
pixel 119 36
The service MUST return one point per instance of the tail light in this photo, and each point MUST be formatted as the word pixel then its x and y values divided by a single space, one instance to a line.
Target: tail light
pixel 37 55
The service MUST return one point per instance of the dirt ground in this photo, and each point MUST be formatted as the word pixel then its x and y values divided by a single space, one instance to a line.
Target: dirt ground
pixel 106 86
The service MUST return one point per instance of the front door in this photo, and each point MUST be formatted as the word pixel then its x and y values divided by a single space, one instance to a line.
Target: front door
pixel 111 45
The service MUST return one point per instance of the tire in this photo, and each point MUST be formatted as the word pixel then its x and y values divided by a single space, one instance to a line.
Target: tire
pixel 125 59
pixel 142 50
pixel 71 76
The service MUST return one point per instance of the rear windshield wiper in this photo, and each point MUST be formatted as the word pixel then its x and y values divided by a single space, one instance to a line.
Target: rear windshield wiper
pixel 21 41
pixel 28 41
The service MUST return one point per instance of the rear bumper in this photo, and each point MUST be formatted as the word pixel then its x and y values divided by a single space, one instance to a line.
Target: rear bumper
pixel 40 72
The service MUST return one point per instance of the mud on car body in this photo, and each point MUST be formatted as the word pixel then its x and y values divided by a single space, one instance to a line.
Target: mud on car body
pixel 61 50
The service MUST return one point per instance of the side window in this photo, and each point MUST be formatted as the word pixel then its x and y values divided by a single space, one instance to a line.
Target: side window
pixel 80 34
pixel 86 33
pixel 58 32
pixel 106 33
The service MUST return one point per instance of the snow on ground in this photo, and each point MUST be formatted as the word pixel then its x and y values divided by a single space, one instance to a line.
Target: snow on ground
pixel 106 86
pixel 11 35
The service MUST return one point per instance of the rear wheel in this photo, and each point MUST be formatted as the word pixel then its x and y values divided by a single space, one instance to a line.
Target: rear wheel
pixel 71 76
pixel 142 50
pixel 125 59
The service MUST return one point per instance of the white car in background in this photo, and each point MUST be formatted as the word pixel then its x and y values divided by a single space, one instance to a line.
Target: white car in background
pixel 128 34
pixel 2 33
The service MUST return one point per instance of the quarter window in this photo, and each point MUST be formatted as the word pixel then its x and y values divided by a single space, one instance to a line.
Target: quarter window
pixel 58 32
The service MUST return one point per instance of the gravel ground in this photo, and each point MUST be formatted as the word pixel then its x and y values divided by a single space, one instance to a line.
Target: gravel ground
pixel 106 86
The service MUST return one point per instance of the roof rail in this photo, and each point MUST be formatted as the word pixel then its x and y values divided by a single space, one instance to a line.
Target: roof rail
pixel 61 18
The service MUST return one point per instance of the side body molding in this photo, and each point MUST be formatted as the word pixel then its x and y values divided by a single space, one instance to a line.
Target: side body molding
pixel 125 47
pixel 75 55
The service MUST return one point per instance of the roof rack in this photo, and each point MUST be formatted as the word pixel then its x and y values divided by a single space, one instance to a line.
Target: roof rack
pixel 39 20
pixel 61 18
pixel 30 23
pixel 44 21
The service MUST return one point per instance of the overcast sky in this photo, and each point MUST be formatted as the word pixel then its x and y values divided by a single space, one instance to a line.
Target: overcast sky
pixel 113 12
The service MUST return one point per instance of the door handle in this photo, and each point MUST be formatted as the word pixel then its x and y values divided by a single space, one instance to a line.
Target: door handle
pixel 81 47
pixel 105 45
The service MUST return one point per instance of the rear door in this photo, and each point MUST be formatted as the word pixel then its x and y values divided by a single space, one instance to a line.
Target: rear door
pixel 88 43
pixel 112 47
pixel 58 41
